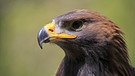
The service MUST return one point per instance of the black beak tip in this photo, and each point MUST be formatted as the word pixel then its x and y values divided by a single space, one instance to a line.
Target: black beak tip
pixel 40 44
pixel 42 37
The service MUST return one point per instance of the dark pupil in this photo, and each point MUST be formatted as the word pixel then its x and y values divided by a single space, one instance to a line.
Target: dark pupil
pixel 77 24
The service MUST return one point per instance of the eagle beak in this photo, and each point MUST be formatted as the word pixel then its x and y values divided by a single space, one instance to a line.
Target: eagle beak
pixel 47 34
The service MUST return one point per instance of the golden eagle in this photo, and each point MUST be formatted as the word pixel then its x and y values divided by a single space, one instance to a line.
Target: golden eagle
pixel 92 43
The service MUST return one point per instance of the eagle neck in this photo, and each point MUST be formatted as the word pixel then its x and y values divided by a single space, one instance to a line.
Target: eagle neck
pixel 96 60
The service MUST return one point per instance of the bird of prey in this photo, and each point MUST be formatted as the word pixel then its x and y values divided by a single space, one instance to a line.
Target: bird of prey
pixel 93 44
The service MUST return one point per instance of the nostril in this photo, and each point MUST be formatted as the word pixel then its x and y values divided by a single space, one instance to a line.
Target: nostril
pixel 51 30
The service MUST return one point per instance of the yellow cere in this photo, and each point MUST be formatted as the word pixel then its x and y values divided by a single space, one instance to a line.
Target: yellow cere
pixel 50 29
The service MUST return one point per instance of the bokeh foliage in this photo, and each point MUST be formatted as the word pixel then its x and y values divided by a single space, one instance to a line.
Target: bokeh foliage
pixel 20 21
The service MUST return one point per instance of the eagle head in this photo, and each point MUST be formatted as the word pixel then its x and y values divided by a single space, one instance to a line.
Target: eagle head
pixel 92 43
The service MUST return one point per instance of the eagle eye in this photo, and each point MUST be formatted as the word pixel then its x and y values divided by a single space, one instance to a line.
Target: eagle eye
pixel 77 25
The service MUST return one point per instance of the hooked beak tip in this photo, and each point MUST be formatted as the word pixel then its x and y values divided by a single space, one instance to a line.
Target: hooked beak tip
pixel 39 42
pixel 42 37
pixel 40 45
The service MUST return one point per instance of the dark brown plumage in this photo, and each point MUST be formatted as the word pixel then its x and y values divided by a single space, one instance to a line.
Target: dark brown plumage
pixel 92 43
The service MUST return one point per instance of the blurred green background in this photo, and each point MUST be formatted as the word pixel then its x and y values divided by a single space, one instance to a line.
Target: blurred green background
pixel 20 21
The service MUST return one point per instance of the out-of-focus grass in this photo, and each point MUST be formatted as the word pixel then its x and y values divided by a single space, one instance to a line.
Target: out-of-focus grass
pixel 20 21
